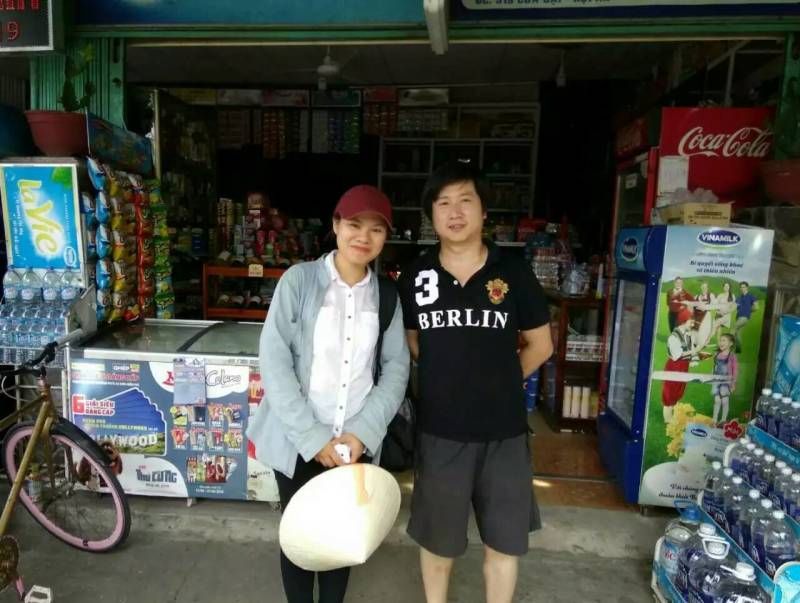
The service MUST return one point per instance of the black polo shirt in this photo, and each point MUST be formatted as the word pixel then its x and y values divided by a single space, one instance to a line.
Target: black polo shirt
pixel 470 378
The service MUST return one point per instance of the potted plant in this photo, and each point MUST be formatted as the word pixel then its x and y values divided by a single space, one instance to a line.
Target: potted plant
pixel 782 176
pixel 63 133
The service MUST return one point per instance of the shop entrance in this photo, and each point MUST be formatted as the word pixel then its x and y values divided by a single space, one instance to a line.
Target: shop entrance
pixel 243 128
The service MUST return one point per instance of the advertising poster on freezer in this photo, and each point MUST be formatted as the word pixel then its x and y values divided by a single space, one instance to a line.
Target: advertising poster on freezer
pixel 188 444
pixel 705 354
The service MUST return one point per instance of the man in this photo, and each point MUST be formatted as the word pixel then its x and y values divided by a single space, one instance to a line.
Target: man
pixel 681 348
pixel 675 299
pixel 466 304
pixel 746 304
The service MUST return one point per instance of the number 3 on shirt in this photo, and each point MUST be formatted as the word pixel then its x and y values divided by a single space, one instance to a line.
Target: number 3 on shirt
pixel 429 281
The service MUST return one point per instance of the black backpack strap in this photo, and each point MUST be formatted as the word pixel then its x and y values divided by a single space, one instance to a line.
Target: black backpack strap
pixel 387 303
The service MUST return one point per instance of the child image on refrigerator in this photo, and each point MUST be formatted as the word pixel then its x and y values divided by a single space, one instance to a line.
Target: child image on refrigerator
pixel 726 366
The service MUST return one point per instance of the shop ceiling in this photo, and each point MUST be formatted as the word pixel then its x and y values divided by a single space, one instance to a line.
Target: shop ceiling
pixel 392 64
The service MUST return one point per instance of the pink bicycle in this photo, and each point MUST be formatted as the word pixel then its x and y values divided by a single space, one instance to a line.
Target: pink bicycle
pixel 63 477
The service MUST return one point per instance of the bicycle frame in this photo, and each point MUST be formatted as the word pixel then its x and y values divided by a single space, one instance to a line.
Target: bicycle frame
pixel 44 421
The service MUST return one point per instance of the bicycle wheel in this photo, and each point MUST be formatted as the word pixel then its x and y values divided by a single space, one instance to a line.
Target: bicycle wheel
pixel 79 500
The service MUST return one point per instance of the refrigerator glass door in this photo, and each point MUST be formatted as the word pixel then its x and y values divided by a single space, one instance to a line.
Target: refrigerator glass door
pixel 151 336
pixel 625 349
pixel 229 339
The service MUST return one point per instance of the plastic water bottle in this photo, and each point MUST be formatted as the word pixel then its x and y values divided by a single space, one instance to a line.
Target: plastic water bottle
pixel 6 342
pixel 791 498
pixel 785 422
pixel 70 287
pixel 755 466
pixel 738 455
pixel 750 508
pixel 780 543
pixel 762 405
pixel 688 555
pixel 774 406
pixel 716 562
pixel 678 531
pixel 12 283
pixel 758 528
pixel 31 288
pixel 51 287
pixel 763 480
pixel 746 460
pixel 711 491
pixel 794 435
pixel 733 503
pixel 740 586
pixel 780 487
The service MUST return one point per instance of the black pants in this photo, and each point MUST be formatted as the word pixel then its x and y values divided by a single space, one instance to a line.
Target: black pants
pixel 298 584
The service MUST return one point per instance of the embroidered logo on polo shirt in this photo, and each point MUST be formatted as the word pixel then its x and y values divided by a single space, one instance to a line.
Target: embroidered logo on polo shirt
pixel 497 289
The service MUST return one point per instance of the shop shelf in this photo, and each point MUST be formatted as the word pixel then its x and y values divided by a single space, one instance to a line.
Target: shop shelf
pixel 210 271
pixel 781 451
pixel 236 313
pixel 560 423
pixel 509 176
pixel 240 271
pixel 405 174
pixel 574 361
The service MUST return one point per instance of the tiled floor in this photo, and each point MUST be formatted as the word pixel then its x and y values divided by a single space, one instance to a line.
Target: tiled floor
pixel 568 471
pixel 564 454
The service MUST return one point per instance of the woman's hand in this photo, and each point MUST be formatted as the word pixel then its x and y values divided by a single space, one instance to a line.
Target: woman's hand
pixel 355 445
pixel 328 457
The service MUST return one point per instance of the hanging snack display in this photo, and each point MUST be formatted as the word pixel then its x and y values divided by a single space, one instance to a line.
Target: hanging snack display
pixel 129 244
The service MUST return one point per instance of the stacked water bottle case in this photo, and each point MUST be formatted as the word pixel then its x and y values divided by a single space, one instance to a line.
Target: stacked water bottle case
pixel 35 311
pixel 753 504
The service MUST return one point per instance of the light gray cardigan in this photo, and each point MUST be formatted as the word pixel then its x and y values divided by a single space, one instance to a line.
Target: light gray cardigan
pixel 284 424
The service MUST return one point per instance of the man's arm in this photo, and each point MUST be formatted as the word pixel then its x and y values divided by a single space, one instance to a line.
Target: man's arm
pixel 537 349
pixel 412 335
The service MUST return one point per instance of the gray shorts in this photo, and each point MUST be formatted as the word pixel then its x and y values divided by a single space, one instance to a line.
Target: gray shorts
pixel 494 478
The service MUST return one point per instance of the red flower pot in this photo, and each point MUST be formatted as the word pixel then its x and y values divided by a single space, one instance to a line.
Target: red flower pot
pixel 782 180
pixel 59 133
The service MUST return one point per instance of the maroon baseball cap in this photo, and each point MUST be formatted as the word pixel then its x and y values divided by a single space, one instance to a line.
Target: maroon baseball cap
pixel 364 199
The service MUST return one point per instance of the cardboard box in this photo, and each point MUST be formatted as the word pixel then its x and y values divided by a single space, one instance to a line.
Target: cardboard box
pixel 696 214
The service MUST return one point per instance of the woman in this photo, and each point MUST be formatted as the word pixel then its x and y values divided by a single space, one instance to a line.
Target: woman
pixel 725 303
pixel 317 355
pixel 703 303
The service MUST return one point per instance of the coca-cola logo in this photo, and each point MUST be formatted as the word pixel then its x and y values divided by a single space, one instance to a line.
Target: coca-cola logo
pixel 748 141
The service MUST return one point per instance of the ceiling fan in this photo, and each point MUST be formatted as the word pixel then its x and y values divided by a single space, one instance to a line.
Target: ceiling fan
pixel 329 69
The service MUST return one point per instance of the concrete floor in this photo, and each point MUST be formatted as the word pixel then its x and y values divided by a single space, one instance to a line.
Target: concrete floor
pixel 154 569
pixel 593 547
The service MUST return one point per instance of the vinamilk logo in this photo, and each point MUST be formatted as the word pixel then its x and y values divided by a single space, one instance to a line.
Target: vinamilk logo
pixel 719 238
pixel 630 249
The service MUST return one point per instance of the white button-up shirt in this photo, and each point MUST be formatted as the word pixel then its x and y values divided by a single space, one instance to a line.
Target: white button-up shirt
pixel 345 336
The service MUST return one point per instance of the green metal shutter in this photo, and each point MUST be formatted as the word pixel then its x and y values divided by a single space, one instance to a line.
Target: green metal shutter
pixel 106 71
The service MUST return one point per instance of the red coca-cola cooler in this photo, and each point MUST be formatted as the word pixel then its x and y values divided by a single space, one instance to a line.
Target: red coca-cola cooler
pixel 723 147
